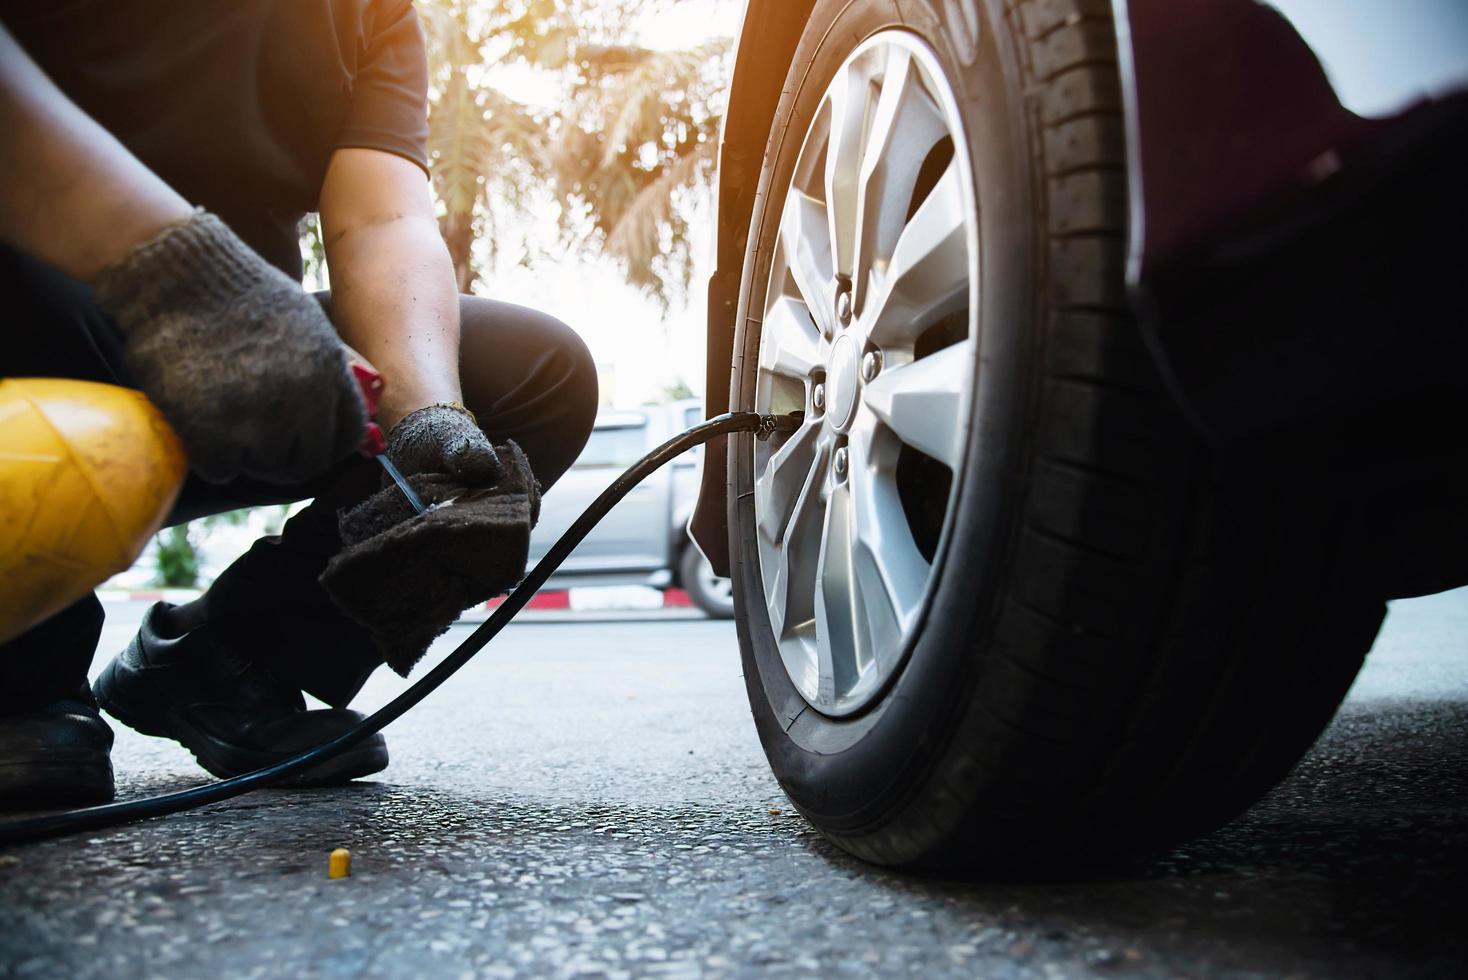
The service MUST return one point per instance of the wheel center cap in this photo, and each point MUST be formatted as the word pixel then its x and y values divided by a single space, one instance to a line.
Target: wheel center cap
pixel 841 386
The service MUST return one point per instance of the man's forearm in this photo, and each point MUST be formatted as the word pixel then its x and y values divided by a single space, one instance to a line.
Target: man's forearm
pixel 394 299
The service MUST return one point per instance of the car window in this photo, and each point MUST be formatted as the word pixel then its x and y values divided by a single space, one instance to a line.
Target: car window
pixel 690 416
pixel 620 445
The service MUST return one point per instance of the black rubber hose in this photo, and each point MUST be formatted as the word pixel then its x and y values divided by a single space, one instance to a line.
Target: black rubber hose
pixel 112 814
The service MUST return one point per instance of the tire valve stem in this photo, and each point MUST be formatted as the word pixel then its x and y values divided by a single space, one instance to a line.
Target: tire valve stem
pixel 771 424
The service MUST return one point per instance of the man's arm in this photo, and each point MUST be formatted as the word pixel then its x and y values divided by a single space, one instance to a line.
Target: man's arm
pixel 393 293
pixel 70 193
pixel 242 362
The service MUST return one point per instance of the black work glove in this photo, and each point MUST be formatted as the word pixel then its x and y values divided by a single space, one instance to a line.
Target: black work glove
pixel 241 360
pixel 406 576
pixel 444 439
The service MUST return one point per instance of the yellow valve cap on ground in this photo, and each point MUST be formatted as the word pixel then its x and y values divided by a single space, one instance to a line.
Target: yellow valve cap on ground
pixel 88 473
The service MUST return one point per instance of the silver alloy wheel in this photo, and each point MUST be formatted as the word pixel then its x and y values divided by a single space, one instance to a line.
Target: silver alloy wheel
pixel 870 329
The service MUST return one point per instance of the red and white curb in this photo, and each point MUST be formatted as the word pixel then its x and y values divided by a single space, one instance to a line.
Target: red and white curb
pixel 629 598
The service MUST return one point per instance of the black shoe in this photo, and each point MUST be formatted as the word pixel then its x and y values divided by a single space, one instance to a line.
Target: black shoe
pixel 55 756
pixel 230 713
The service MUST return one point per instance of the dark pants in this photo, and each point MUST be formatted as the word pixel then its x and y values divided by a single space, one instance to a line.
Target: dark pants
pixel 526 376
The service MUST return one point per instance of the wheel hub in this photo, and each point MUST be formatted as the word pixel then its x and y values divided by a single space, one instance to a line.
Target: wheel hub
pixel 842 387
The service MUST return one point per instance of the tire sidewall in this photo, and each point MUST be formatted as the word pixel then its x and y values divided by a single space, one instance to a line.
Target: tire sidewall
pixel 850 775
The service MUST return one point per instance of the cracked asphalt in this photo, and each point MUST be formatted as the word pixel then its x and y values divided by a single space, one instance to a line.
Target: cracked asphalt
pixel 589 799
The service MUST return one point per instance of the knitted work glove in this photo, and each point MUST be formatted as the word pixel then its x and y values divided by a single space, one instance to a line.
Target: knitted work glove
pixel 444 439
pixel 240 359
pixel 406 576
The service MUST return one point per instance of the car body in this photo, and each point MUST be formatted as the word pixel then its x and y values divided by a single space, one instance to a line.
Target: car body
pixel 1238 163
pixel 643 540
pixel 1120 343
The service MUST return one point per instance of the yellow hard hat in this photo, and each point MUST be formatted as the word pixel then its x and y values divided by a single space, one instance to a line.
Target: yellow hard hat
pixel 88 473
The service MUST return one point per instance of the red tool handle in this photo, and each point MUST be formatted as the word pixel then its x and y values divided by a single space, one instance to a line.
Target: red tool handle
pixel 371 383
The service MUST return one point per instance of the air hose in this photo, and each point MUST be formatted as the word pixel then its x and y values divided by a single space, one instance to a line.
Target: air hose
pixel 114 814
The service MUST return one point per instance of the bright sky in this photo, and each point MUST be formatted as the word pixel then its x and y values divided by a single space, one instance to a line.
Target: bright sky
pixel 691 21
pixel 1379 60
pixel 638 350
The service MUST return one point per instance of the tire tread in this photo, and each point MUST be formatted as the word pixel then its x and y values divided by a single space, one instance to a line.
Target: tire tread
pixel 1110 455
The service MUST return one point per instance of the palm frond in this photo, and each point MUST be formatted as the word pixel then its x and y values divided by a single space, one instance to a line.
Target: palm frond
pixel 635 126
pixel 637 237
pixel 639 97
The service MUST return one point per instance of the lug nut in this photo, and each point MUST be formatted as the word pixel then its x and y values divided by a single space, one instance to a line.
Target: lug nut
pixel 843 306
pixel 818 398
pixel 871 365
pixel 841 463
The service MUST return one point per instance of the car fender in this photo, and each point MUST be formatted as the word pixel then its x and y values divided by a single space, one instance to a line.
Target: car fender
pixel 1294 175
pixel 759 77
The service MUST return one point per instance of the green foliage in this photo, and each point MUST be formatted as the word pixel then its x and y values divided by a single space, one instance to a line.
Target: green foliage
pixel 178 546
pixel 677 390
pixel 641 128
pixel 178 562
pixel 635 129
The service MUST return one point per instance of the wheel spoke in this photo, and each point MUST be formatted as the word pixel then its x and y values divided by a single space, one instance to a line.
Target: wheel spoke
pixel 896 80
pixel 891 574
pixel 786 474
pixel 922 402
pixel 848 96
pixel 928 276
pixel 806 247
pixel 834 603
pixel 790 344
pixel 793 579
pixel 906 125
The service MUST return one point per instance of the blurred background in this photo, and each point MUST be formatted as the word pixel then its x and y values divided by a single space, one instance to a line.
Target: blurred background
pixel 572 145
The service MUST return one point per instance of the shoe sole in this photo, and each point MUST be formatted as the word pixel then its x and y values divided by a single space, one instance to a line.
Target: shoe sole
pixel 131 704
pixel 55 777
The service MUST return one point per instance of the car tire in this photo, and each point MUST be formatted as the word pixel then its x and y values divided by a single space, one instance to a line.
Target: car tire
pixel 708 591
pixel 1126 638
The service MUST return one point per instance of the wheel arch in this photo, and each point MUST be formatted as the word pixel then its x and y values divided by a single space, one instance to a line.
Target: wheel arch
pixel 754 93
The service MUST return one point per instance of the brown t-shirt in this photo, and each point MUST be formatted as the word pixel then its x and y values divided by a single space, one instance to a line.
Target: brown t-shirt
pixel 238 104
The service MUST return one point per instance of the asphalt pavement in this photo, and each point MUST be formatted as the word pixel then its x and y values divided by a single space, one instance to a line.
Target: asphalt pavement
pixel 589 799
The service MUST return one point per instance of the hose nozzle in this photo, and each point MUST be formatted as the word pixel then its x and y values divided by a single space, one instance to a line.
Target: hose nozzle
pixel 769 425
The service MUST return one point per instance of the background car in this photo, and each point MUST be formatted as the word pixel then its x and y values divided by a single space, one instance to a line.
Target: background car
pixel 644 539
pixel 1128 378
